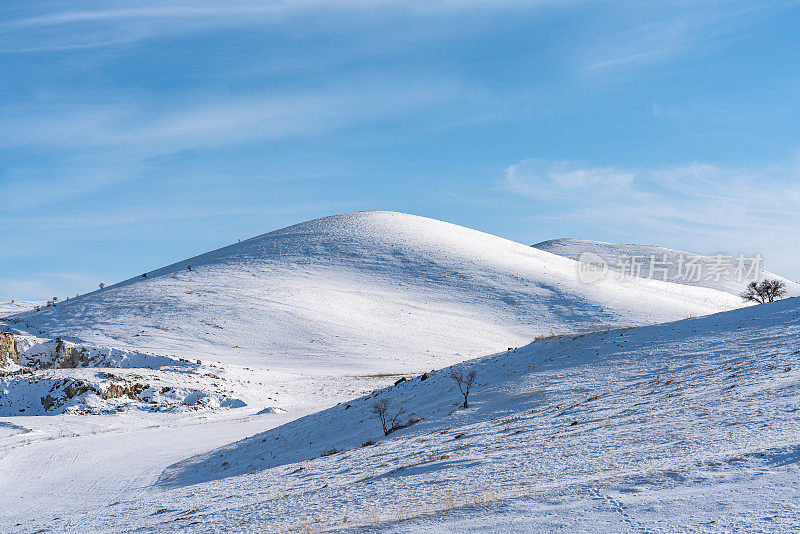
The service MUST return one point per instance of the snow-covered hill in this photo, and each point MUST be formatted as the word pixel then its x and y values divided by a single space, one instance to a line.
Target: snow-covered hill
pixel 363 291
pixel 693 423
pixel 730 274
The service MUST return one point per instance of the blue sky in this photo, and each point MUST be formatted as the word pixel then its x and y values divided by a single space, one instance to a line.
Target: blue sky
pixel 135 134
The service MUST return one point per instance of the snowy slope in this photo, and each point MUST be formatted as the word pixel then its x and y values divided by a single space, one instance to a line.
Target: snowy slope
pixel 361 291
pixel 57 470
pixel 688 425
pixel 10 308
pixel 671 265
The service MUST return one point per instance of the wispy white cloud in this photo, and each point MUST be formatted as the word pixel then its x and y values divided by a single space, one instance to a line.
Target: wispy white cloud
pixel 90 24
pixel 686 195
pixel 545 179
pixel 104 24
pixel 654 33
pixel 192 10
pixel 100 144
pixel 216 120
pixel 107 216
pixel 700 205
pixel 217 11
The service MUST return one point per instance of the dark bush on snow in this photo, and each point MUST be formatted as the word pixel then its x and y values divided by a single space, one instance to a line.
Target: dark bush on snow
pixel 388 418
pixel 764 291
pixel 465 383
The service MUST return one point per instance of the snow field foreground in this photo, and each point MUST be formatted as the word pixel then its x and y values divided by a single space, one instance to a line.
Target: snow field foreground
pixel 361 292
pixel 692 424
pixel 60 470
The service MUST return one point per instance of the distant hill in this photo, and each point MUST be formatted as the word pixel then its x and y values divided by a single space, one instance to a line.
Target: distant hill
pixel 670 265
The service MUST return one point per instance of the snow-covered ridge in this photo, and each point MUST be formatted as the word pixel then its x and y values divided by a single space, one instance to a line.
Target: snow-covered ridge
pixel 660 263
pixel 368 291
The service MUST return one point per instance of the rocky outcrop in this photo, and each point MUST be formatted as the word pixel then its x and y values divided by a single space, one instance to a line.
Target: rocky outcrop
pixel 48 401
pixel 72 357
pixel 8 350
pixel 57 354
pixel 63 391
pixel 115 391
pixel 76 388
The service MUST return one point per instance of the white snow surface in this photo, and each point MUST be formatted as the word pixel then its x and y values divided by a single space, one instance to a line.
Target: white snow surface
pixel 716 272
pixel 361 291
pixel 11 308
pixel 686 426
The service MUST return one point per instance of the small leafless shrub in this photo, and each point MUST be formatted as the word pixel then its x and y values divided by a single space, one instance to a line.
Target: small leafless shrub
pixel 464 382
pixel 388 419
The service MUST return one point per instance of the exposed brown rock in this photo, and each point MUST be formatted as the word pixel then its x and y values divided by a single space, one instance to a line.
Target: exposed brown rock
pixel 114 391
pixel 48 402
pixel 8 349
pixel 74 389
pixel 71 357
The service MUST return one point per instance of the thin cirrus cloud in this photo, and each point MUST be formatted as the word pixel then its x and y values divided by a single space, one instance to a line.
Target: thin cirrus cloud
pixel 661 35
pixel 207 122
pixel 212 10
pixel 651 42
pixel 93 24
pixel 101 217
pixel 745 207
pixel 106 144
pixel 104 24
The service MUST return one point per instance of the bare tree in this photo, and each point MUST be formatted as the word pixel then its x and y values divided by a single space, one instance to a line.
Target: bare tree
pixel 388 421
pixel 776 291
pixel 464 384
pixel 764 291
